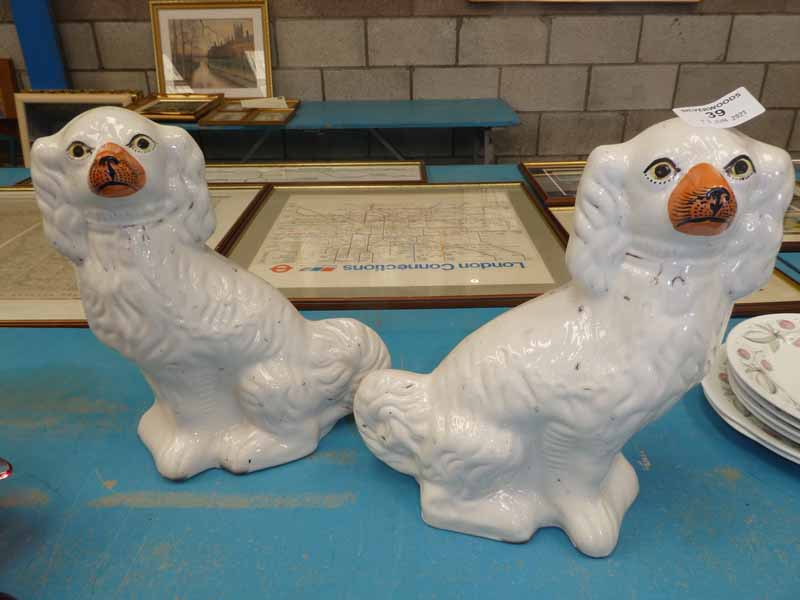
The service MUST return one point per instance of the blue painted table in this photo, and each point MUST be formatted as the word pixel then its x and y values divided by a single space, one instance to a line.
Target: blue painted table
pixel 374 115
pixel 86 515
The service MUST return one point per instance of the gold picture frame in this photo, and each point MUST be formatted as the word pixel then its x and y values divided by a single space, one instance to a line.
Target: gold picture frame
pixel 397 172
pixel 228 47
pixel 39 284
pixel 556 184
pixel 780 294
pixel 44 112
pixel 401 246
pixel 231 112
pixel 184 108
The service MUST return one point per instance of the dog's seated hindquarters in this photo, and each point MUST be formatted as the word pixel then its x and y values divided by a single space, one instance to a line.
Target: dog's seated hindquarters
pixel 522 424
pixel 241 379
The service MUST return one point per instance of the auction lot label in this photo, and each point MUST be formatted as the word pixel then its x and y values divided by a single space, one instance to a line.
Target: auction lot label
pixel 729 111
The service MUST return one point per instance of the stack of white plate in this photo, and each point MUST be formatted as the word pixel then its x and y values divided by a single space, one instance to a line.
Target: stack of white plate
pixel 754 383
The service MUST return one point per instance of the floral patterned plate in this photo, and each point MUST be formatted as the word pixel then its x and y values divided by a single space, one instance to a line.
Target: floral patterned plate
pixel 722 399
pixel 754 406
pixel 764 353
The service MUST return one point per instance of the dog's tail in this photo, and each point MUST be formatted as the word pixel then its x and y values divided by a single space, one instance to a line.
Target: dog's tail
pixel 392 411
pixel 344 351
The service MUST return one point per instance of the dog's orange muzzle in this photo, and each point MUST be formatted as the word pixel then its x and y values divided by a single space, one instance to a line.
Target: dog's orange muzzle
pixel 115 173
pixel 703 203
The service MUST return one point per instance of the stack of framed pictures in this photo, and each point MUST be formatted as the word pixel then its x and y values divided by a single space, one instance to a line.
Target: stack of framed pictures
pixel 556 185
pixel 44 112
pixel 232 112
pixel 186 108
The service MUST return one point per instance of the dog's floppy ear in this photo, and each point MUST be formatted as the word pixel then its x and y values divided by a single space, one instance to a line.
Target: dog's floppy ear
pixel 64 224
pixel 758 231
pixel 187 176
pixel 597 247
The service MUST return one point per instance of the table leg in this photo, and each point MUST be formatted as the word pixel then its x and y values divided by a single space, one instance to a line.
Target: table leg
pixel 386 143
pixel 249 154
pixel 488 147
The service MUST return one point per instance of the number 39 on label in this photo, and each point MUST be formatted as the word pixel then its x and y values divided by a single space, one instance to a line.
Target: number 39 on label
pixel 729 111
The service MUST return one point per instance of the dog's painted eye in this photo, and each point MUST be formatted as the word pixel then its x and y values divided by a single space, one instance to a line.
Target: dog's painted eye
pixel 661 170
pixel 142 143
pixel 740 167
pixel 78 150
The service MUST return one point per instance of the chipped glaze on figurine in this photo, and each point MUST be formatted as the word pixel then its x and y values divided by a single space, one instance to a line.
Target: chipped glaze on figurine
pixel 241 380
pixel 521 426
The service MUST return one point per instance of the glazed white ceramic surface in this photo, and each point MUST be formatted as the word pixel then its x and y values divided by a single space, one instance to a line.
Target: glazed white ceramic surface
pixel 764 352
pixel 723 400
pixel 241 380
pixel 521 425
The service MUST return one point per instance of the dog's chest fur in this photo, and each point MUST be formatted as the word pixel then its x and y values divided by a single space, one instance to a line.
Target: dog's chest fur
pixel 137 288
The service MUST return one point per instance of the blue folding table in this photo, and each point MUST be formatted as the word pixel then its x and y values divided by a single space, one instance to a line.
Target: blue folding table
pixel 375 115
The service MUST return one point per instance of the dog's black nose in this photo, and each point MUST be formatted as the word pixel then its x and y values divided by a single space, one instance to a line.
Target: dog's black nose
pixel 108 160
pixel 718 196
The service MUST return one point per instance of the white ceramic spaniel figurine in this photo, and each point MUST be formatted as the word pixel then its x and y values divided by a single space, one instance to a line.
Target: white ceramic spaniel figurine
pixel 241 380
pixel 522 424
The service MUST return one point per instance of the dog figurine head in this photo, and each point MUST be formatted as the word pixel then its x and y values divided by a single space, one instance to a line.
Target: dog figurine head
pixel 686 194
pixel 112 167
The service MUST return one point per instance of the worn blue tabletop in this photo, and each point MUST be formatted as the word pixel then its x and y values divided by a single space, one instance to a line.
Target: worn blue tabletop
pixel 394 114
pixel 87 516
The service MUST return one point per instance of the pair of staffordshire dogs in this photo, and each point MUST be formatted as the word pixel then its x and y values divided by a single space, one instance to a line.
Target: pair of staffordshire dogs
pixel 522 424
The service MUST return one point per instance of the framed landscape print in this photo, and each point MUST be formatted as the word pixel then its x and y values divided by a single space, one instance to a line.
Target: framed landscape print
pixel 45 112
pixel 556 184
pixel 317 172
pixel 780 294
pixel 212 48
pixel 39 286
pixel 177 107
pixel 401 246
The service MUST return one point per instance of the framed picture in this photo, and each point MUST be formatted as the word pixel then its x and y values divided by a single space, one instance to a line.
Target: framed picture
pixel 177 107
pixel 556 184
pixel 39 286
pixel 231 112
pixel 8 85
pixel 212 48
pixel 45 112
pixel 401 246
pixel 780 294
pixel 321 172
pixel 590 1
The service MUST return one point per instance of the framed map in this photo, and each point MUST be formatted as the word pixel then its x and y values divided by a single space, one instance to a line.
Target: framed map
pixel 780 294
pixel 556 184
pixel 381 246
pixel 317 172
pixel 39 285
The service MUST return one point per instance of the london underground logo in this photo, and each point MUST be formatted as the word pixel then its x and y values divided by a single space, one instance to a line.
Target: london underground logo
pixel 281 268
pixel 323 268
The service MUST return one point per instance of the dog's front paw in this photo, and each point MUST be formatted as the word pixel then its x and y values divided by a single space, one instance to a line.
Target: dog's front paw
pixel 247 448
pixel 183 457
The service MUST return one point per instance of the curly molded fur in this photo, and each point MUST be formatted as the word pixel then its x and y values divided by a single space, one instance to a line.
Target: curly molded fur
pixel 241 379
pixel 522 425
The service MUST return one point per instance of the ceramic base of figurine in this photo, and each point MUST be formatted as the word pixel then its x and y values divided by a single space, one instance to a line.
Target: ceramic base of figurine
pixel 592 523
pixel 240 448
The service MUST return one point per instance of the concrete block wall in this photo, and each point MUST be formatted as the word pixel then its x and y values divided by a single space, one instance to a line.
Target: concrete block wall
pixel 579 75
